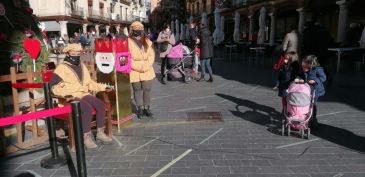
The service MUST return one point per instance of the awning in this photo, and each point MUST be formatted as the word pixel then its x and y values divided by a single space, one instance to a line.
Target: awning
pixel 51 26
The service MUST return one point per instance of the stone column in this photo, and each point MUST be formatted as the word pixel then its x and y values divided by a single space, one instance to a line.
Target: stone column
pixel 63 28
pixel 343 21
pixel 250 31
pixel 107 29
pixel 97 30
pixel 84 28
pixel 117 27
pixel 301 19
pixel 272 28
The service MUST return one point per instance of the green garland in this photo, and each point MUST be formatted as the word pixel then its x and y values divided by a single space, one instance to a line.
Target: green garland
pixel 17 11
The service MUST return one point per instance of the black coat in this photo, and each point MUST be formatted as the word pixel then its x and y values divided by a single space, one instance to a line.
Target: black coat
pixel 286 76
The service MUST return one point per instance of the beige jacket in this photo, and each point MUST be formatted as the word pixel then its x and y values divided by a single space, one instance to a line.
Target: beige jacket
pixel 162 38
pixel 72 85
pixel 142 62
pixel 291 42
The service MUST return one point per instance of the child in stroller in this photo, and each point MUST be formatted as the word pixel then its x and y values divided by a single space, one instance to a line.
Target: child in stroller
pixel 180 63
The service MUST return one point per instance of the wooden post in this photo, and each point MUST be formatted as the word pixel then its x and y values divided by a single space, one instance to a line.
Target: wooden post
pixel 16 106
pixel 30 79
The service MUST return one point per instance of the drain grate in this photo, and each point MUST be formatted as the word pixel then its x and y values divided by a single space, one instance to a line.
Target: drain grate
pixel 198 116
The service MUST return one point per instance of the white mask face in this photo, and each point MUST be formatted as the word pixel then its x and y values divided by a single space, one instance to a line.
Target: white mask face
pixel 105 62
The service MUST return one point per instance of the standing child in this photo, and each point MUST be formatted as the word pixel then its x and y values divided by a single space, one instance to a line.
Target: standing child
pixel 288 71
pixel 313 74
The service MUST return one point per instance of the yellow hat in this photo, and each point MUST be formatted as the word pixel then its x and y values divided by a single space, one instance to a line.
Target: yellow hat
pixel 137 26
pixel 72 48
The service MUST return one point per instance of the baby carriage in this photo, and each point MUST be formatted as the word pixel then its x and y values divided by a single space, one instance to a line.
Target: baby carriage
pixel 180 63
pixel 298 110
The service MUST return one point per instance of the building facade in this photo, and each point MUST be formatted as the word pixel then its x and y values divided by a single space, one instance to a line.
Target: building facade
pixel 334 15
pixel 164 11
pixel 102 16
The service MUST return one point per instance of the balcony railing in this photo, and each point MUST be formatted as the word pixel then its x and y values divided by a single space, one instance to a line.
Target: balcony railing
pixel 78 11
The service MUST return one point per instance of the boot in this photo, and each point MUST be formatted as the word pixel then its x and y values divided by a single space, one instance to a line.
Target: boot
pixel 210 79
pixel 100 135
pixel 147 112
pixel 88 141
pixel 201 78
pixel 139 112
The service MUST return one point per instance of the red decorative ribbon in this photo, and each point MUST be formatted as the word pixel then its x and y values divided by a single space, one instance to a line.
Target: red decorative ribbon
pixel 34 115
pixel 27 85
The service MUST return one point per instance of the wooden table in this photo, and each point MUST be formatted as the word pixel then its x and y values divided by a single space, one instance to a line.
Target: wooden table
pixel 339 51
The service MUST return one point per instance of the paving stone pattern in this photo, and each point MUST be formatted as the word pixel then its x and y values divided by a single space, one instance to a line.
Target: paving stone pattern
pixel 248 144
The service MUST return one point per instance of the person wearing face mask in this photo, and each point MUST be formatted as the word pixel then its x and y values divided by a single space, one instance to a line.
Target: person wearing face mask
pixel 71 80
pixel 165 40
pixel 287 74
pixel 142 74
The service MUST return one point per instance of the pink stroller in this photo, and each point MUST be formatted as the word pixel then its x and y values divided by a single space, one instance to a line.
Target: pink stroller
pixel 298 110
pixel 180 62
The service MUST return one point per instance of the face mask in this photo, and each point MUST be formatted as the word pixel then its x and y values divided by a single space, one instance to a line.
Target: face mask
pixel 286 61
pixel 168 30
pixel 137 33
pixel 75 60
pixel 93 33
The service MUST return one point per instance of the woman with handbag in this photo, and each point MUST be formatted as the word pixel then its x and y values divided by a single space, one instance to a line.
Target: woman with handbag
pixel 165 40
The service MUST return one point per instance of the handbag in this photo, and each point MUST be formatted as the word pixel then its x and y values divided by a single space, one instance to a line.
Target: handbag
pixel 164 46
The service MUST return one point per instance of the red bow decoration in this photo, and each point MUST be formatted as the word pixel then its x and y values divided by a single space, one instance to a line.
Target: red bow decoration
pixel 33 47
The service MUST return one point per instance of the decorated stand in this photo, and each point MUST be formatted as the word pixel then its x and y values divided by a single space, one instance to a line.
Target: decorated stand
pixel 114 65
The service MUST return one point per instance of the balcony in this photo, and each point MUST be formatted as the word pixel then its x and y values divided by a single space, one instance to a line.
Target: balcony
pixel 139 18
pixel 77 12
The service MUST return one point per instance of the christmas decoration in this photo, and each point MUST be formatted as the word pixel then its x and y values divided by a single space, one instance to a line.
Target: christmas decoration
pixel 123 57
pixel 28 32
pixel 33 47
pixel 104 57
pixel 17 58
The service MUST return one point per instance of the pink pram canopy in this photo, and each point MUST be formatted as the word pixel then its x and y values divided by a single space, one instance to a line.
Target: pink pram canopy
pixel 298 101
pixel 176 52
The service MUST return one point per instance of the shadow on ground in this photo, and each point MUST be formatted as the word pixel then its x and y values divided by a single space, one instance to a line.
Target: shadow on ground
pixel 270 118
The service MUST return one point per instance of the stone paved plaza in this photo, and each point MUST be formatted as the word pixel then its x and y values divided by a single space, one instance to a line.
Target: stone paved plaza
pixel 241 139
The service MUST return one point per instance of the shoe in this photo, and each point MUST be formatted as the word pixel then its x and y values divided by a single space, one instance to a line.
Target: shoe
pixel 100 135
pixel 210 79
pixel 163 81
pixel 60 133
pixel 147 112
pixel 88 141
pixel 140 112
pixel 275 88
pixel 201 78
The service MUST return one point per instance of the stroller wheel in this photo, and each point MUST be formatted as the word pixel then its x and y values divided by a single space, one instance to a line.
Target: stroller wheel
pixel 283 129
pixel 308 133
pixel 302 133
pixel 288 130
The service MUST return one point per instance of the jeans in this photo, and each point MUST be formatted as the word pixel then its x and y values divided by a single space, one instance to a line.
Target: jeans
pixel 206 63
pixel 163 66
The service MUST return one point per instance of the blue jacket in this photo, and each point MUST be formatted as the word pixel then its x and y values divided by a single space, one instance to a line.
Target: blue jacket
pixel 317 74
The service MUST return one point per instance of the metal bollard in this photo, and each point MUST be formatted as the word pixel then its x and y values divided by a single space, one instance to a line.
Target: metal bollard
pixel 79 139
pixel 55 160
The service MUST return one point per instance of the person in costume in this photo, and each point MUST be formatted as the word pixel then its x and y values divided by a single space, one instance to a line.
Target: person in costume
pixel 71 80
pixel 142 74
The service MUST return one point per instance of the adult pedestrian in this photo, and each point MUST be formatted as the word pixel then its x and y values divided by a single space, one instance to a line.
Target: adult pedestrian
pixel 206 52
pixel 142 74
pixel 291 42
pixel 165 40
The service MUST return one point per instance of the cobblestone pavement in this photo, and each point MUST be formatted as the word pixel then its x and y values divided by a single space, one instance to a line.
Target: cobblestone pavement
pixel 245 142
